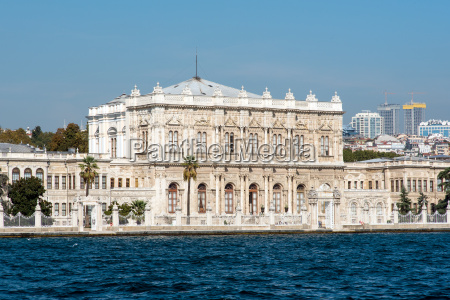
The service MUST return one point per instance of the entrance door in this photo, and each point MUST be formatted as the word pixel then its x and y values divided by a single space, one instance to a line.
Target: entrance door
pixel 253 200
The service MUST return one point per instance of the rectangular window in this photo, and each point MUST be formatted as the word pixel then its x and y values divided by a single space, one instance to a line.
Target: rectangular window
pixel 397 186
pixel 82 183
pixel 119 184
pixel 370 185
pixel 431 186
pixel 127 182
pixel 439 187
pixel 136 182
pixel 49 182
pixel 349 185
pixel 376 185
pixel 70 207
pixel 96 182
pixel 63 182
pixel 111 183
pixel 56 209
pixel 63 207
pixel 361 185
pixel 355 184
pixel 70 182
pixel 104 182
pixel 419 185
pixel 73 179
pixel 425 186
pixel 56 182
pixel 409 185
pixel 401 184
pixel 414 186
pixel 392 186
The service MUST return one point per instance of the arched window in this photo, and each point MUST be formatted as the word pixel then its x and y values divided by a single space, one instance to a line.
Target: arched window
pixel 40 175
pixel 15 175
pixel 277 197
pixel 201 198
pixel 253 199
pixel 353 212
pixel 27 173
pixel 229 199
pixel 300 197
pixel 172 197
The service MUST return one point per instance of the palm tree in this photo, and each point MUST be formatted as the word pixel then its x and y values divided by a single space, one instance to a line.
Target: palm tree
pixel 88 172
pixel 190 171
pixel 138 209
pixel 445 175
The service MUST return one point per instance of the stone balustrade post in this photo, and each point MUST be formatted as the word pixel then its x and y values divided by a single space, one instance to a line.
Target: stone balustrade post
pixel 115 216
pixel 208 215
pixel 80 216
pixel 178 216
pixel 272 214
pixel 148 215
pixel 337 211
pixel 395 212
pixel 74 215
pixel 238 216
pixel 313 198
pixel 38 216
pixel 304 213
pixel 448 214
pixel 424 213
pixel 2 224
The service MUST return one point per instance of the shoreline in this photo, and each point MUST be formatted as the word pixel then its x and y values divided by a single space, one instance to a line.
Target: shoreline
pixel 188 232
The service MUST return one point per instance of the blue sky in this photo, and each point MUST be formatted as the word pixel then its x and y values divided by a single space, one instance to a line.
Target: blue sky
pixel 57 58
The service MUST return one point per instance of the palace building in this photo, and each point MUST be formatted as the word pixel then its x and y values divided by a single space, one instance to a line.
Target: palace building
pixel 256 155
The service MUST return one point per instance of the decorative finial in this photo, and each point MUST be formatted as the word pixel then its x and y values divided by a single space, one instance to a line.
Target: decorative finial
pixel 242 88
pixel 266 94
pixel 311 96
pixel 135 92
pixel 335 98
pixel 289 95
pixel 157 89
pixel 242 93
pixel 186 90
pixel 217 91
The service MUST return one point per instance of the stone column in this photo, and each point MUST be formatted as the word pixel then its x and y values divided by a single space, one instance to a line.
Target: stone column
pixel 115 216
pixel 222 192
pixel 217 194
pixel 208 215
pixel 294 196
pixel 74 215
pixel 266 192
pixel 241 177
pixel 312 199
pixel 424 213
pixel 395 212
pixel 2 224
pixel 148 215
pixel 289 178
pixel 80 216
pixel 246 195
pixel 337 212
pixel 99 216
pixel 37 216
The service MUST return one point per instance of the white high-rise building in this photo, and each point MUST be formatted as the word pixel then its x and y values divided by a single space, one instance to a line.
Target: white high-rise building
pixel 368 124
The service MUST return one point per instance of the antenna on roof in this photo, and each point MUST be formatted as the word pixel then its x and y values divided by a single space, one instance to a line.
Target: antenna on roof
pixel 196 76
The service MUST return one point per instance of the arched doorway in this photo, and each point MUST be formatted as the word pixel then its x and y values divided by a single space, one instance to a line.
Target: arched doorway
pixel 173 190
pixel 201 197
pixel 229 199
pixel 300 200
pixel 253 199
pixel 277 197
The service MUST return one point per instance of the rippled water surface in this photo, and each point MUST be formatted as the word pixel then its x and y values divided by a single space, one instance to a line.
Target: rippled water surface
pixel 347 266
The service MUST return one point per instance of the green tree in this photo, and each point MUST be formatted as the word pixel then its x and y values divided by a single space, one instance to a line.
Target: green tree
pixel 404 206
pixel 88 171
pixel 190 171
pixel 18 136
pixel 25 194
pixel 422 199
pixel 445 177
pixel 4 189
pixel 124 209
pixel 348 155
pixel 442 204
pixel 40 138
pixel 58 143
pixel 138 209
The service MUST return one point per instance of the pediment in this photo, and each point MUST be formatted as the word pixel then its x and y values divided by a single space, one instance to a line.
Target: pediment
pixel 174 120
pixel 301 125
pixel 325 127
pixel 231 123
pixel 278 124
pixel 254 123
pixel 203 121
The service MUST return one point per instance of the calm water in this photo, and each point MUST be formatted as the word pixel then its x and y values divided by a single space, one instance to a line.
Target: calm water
pixel 351 266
